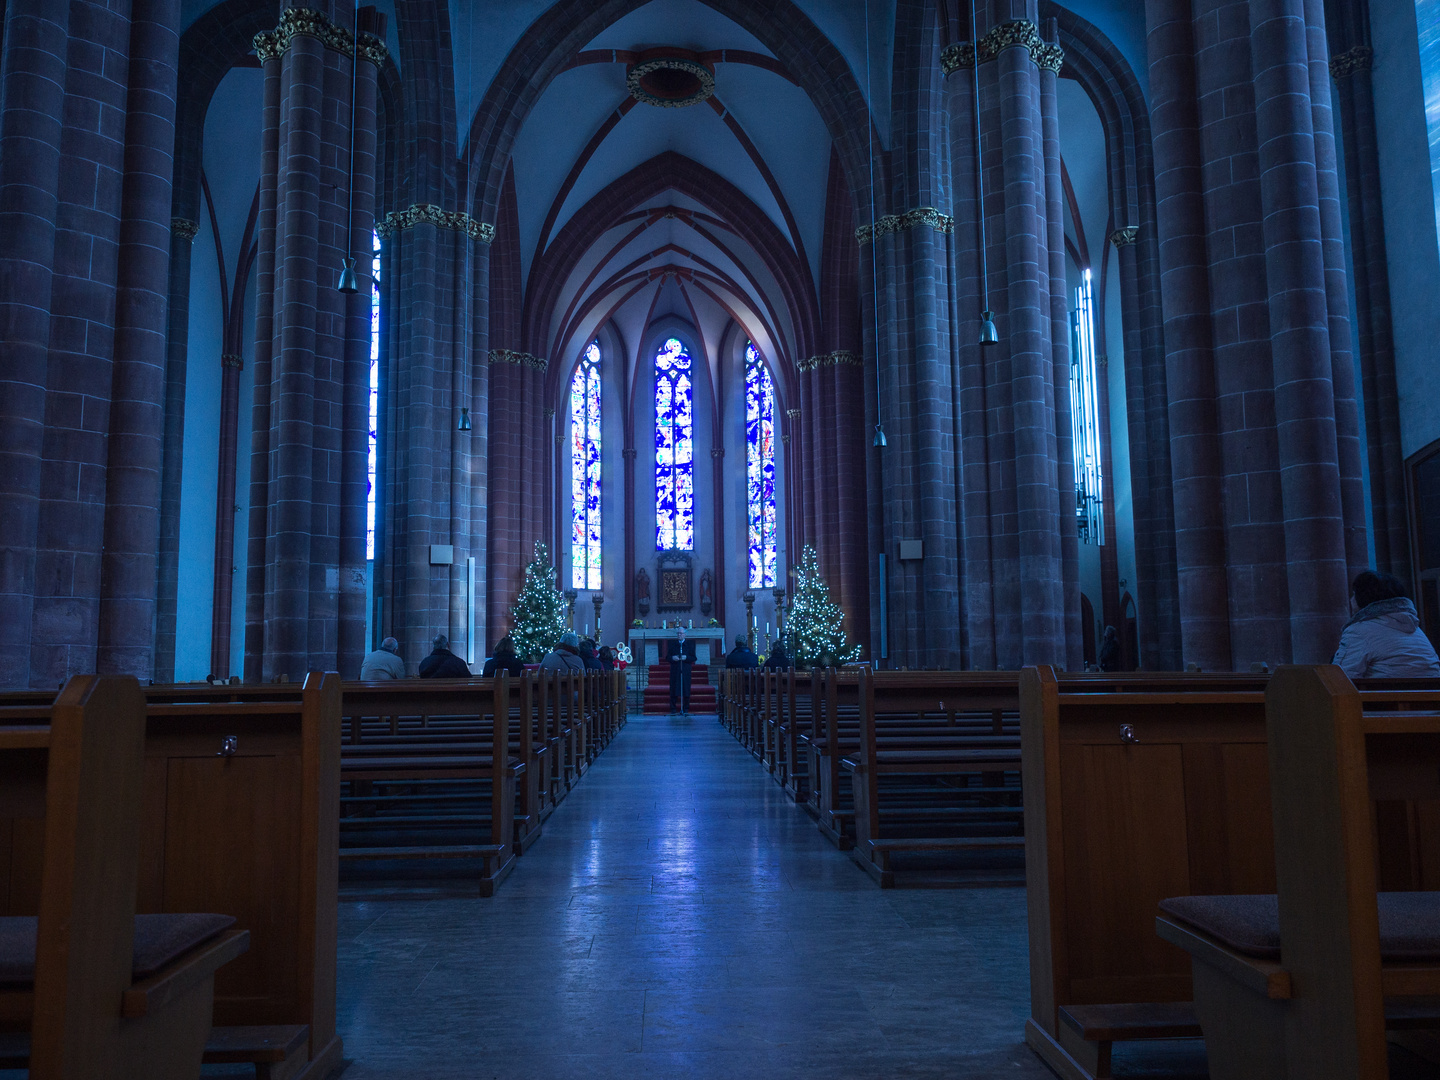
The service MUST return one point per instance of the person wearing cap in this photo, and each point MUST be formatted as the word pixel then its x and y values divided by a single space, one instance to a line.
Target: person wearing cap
pixel 565 656
pixel 681 655
pixel 442 663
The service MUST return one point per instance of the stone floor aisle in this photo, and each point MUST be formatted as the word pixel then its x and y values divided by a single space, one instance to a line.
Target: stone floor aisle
pixel 679 918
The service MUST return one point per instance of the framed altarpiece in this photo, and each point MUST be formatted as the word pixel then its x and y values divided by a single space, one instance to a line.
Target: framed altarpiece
pixel 676 589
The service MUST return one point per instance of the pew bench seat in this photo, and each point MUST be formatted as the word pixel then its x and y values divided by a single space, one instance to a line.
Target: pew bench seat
pixel 276 1050
pixel 1239 936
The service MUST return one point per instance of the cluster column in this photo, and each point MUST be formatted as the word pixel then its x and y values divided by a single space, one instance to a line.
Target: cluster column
pixel 1020 542
pixel 1348 24
pixel 86 145
pixel 305 606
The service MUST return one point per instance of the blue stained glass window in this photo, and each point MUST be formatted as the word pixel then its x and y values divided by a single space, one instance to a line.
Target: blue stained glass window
pixel 374 393
pixel 760 468
pixel 674 449
pixel 585 471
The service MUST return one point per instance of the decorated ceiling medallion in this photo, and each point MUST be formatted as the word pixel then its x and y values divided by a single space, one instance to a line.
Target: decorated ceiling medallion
pixel 670 78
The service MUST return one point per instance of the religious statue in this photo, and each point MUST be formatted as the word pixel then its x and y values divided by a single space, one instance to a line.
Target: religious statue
pixel 642 591
pixel 706 593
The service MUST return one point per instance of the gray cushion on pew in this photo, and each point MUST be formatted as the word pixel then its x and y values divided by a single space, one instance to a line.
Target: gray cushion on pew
pixel 159 939
pixel 1409 923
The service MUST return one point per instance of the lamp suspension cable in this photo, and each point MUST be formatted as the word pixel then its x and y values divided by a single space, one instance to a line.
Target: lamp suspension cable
pixel 349 281
pixel 988 334
pixel 879 441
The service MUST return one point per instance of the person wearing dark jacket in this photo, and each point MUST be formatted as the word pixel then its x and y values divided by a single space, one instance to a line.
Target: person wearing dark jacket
pixel 503 660
pixel 741 656
pixel 681 656
pixel 588 654
pixel 442 663
pixel 779 659
pixel 607 657
pixel 1110 651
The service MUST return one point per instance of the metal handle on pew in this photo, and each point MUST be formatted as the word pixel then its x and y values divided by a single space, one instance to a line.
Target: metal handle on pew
pixel 229 746
pixel 1127 734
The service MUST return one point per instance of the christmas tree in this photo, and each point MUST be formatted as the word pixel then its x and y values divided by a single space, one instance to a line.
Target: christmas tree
pixel 539 615
pixel 814 634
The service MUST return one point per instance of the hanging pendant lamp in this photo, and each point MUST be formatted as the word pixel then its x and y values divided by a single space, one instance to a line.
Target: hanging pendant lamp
pixel 349 281
pixel 988 334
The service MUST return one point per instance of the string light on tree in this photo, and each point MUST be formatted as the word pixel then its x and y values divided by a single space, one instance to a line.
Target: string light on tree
pixel 539 612
pixel 814 632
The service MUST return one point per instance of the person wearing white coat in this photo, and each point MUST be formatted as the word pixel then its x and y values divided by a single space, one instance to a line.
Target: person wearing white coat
pixel 1383 639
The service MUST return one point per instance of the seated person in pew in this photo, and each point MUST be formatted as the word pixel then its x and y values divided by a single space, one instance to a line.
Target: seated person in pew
pixel 741 656
pixel 607 657
pixel 442 663
pixel 565 656
pixel 1383 639
pixel 383 663
pixel 504 660
pixel 779 658
pixel 590 656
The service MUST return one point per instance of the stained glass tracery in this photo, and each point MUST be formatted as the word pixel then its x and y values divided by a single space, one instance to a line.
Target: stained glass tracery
pixel 674 449
pixel 374 393
pixel 585 471
pixel 760 469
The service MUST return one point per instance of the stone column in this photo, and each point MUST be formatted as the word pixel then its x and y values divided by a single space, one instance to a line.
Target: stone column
pixel 1047 70
pixel 1196 466
pixel 507 557
pixel 177 347
pixel 1305 405
pixel 1021 550
pixel 1348 24
pixel 1252 245
pixel 917 478
pixel 34 72
pixel 310 612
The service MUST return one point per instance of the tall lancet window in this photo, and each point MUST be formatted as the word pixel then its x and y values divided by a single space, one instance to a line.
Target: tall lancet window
pixel 585 471
pixel 1085 417
pixel 760 468
pixel 374 393
pixel 674 449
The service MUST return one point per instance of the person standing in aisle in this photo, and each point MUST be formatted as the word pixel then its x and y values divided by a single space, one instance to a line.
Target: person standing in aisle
pixel 681 655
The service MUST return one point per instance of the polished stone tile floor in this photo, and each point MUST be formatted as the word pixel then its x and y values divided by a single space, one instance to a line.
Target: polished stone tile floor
pixel 680 918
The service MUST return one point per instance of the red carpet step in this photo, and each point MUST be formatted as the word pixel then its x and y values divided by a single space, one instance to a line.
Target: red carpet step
pixel 657 694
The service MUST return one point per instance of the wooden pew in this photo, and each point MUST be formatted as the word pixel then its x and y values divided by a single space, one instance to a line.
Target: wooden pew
pixel 918 733
pixel 463 742
pixel 240 811
pixel 1137 788
pixel 110 994
pixel 1296 984
pixel 1131 797
pixel 447 723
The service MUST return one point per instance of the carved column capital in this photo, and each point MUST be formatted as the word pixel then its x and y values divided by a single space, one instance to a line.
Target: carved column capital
pixel 1343 65
pixel 1123 237
pixel 184 228
pixel 430 214
pixel 927 216
pixel 1017 32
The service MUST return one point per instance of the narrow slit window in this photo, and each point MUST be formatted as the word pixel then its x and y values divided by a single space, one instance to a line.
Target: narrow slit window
pixel 1085 417
pixel 760 468
pixel 585 471
pixel 374 394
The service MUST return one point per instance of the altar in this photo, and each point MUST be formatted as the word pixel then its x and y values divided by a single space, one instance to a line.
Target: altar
pixel 646 643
